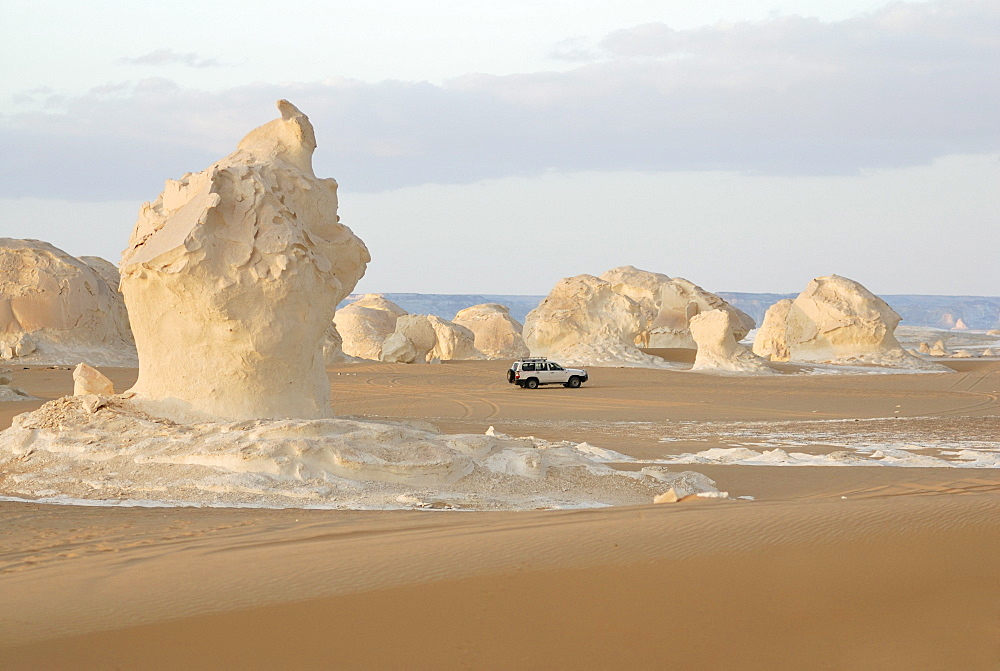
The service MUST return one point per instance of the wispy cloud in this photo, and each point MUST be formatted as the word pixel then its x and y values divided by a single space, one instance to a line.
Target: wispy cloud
pixel 790 95
pixel 171 57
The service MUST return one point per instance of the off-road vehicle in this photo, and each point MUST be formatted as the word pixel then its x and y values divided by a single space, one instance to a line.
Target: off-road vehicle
pixel 530 372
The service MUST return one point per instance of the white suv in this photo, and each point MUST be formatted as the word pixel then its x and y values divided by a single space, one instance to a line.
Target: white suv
pixel 531 372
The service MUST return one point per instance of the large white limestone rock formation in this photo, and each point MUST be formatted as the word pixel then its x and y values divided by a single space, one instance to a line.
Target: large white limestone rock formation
pixel 333 347
pixel 668 304
pixel 643 287
pixel 453 342
pixel 425 338
pixel 57 309
pixel 232 277
pixel 835 320
pixel 680 300
pixel 105 269
pixel 585 321
pixel 366 323
pixel 497 334
pixel 718 351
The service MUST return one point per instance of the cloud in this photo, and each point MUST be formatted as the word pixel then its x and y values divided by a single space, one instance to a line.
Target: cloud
pixel 575 49
pixel 171 57
pixel 786 96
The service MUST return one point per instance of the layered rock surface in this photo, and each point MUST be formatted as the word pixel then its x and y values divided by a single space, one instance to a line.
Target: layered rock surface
pixel 57 309
pixel 497 334
pixel 835 320
pixel 232 277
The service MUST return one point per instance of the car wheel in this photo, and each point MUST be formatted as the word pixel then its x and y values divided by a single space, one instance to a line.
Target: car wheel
pixel 510 376
pixel 573 382
pixel 531 384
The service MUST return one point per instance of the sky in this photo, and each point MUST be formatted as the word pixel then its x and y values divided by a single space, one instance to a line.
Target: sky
pixel 487 147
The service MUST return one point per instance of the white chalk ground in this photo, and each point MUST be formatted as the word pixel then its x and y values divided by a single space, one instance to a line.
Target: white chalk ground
pixel 49 353
pixel 14 394
pixel 120 457
pixel 906 442
pixel 910 337
pixel 63 453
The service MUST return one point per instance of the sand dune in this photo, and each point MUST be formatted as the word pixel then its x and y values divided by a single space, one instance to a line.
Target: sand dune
pixel 846 567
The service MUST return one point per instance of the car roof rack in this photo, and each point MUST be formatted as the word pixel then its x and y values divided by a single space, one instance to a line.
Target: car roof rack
pixel 533 358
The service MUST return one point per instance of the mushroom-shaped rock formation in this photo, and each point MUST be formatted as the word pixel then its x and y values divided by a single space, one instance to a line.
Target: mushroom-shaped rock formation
pixel 585 321
pixel 497 334
pixel 835 320
pixel 232 277
pixel 366 323
pixel 424 338
pixel 718 351
pixel 57 309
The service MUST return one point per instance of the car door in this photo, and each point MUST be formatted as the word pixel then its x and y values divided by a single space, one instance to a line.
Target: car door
pixel 544 374
pixel 556 373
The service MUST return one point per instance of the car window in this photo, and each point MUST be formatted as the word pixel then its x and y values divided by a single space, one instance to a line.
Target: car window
pixel 555 366
pixel 543 366
pixel 527 366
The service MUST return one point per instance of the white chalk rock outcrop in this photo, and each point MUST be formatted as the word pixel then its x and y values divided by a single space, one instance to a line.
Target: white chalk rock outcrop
pixel 365 324
pixel 232 277
pixel 89 380
pixel 680 301
pixel 332 463
pixel 497 334
pixel 584 321
pixel 425 338
pixel 939 349
pixel 643 287
pixel 668 304
pixel 333 347
pixel 57 309
pixel 718 351
pixel 835 320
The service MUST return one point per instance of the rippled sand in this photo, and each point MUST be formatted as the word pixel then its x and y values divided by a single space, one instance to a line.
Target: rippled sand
pixel 828 567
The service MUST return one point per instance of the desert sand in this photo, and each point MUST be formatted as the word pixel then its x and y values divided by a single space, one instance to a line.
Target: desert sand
pixel 887 564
